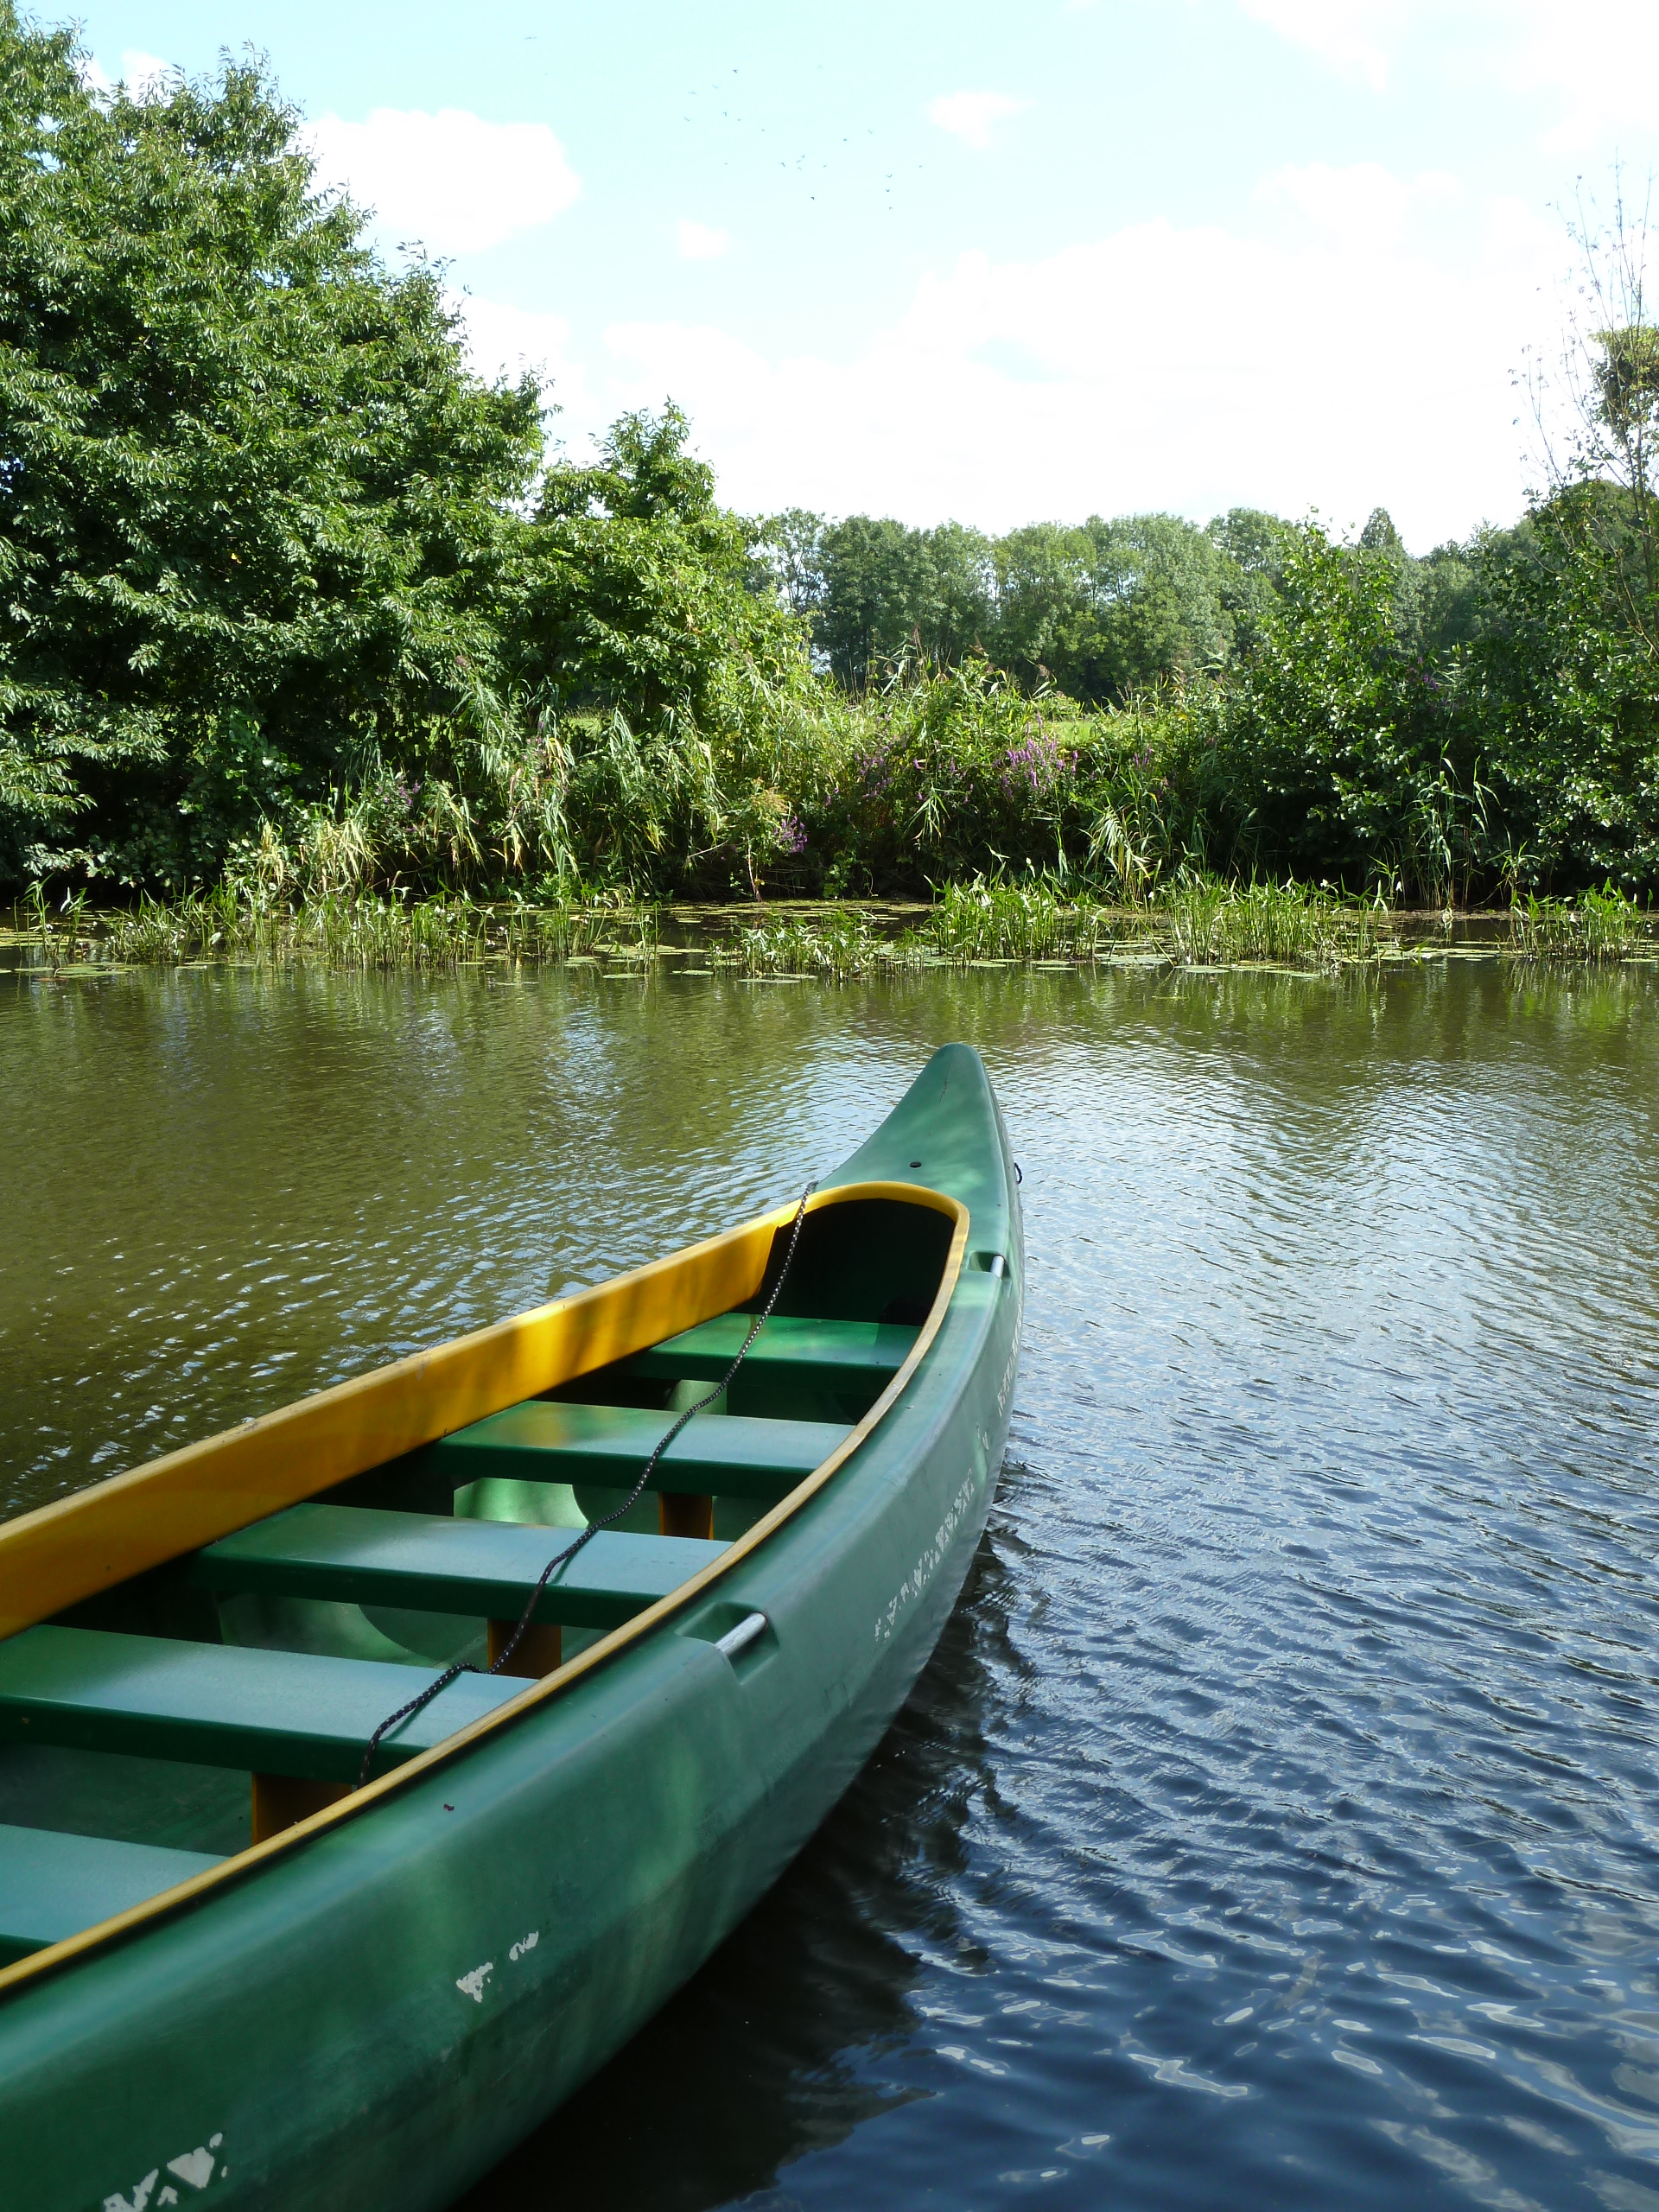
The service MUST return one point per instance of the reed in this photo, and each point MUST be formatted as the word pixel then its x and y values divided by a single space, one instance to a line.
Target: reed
pixel 562 930
pixel 364 930
pixel 1198 922
pixel 1030 920
pixel 1205 923
pixel 1596 929
pixel 839 944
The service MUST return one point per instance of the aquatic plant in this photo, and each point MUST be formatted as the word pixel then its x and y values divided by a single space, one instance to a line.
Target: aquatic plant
pixel 1598 927
pixel 1019 920
pixel 1199 921
pixel 368 929
pixel 1205 923
pixel 840 943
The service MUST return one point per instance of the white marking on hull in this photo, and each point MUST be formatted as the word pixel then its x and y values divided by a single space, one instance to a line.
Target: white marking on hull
pixel 473 1984
pixel 929 1563
pixel 195 2167
pixel 140 2196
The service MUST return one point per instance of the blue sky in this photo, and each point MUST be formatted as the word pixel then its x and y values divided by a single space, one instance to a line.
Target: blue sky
pixel 991 262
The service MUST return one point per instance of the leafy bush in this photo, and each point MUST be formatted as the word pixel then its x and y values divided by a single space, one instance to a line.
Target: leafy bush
pixel 294 603
pixel 947 775
pixel 253 510
pixel 1564 691
pixel 1338 751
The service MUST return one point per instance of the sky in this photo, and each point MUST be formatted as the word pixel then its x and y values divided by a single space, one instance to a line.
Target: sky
pixel 951 260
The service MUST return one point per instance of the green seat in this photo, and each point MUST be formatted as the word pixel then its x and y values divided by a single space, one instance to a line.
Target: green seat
pixel 844 1354
pixel 276 1712
pixel 485 1568
pixel 53 1885
pixel 729 1454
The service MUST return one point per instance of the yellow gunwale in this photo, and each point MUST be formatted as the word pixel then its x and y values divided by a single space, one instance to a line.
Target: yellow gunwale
pixel 40 1540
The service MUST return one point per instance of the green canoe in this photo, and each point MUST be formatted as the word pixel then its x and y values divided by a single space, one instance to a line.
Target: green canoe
pixel 316 1991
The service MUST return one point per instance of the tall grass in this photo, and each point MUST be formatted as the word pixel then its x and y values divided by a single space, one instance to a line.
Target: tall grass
pixel 1207 924
pixel 1030 920
pixel 1194 922
pixel 838 944
pixel 1198 922
pixel 368 929
pixel 957 774
pixel 1598 927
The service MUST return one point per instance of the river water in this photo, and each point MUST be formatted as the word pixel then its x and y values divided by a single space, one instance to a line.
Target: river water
pixel 1278 1824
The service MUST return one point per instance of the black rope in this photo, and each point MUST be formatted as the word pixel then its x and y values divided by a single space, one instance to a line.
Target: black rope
pixel 560 1558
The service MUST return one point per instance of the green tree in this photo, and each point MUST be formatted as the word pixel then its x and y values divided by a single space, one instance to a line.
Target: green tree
pixel 886 590
pixel 1447 599
pixel 636 591
pixel 1563 666
pixel 787 560
pixel 1255 546
pixel 1257 543
pixel 254 511
pixel 665 688
pixel 1045 589
pixel 1561 689
pixel 1338 754
pixel 1597 416
pixel 1150 608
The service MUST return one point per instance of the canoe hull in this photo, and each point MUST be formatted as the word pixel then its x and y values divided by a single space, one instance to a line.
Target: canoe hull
pixel 380 2014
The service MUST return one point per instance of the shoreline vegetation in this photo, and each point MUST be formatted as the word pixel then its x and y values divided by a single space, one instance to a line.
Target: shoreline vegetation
pixel 315 646
pixel 1200 926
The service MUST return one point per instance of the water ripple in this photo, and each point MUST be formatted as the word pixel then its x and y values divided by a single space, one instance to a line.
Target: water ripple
pixel 1279 1823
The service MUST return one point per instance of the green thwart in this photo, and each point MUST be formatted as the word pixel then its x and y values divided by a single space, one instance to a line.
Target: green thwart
pixel 229 1973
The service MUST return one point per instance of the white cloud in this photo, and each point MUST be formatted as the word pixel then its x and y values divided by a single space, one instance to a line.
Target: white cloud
pixel 1344 363
pixel 1595 60
pixel 697 242
pixel 507 340
pixel 1600 59
pixel 1346 33
pixel 142 75
pixel 450 181
pixel 970 116
pixel 146 75
pixel 1364 204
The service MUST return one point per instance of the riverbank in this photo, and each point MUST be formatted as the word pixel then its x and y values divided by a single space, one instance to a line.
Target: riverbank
pixel 1202 923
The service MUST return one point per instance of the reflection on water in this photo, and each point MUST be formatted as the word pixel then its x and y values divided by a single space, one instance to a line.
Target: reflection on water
pixel 1279 1822
pixel 785 2043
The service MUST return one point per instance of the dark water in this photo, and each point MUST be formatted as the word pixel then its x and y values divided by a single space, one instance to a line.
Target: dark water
pixel 1279 1822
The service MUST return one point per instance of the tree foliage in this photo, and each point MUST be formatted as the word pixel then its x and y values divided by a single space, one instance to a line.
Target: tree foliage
pixel 636 591
pixel 287 592
pixel 1561 688
pixel 1337 746
pixel 253 510
pixel 876 590
pixel 1104 608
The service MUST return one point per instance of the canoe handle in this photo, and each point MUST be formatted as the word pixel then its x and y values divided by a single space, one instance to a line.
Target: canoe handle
pixel 740 1638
